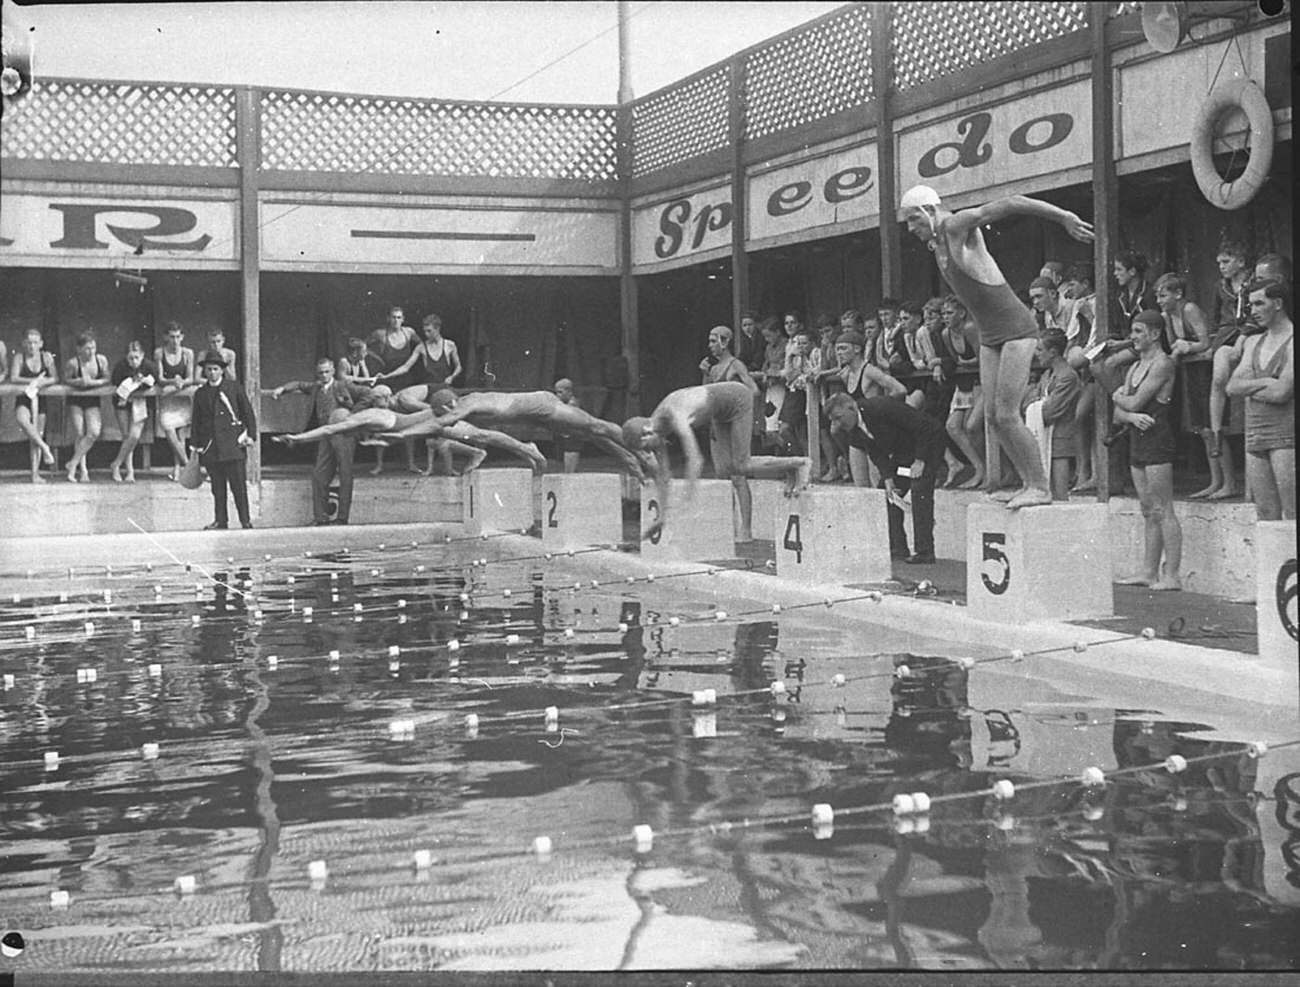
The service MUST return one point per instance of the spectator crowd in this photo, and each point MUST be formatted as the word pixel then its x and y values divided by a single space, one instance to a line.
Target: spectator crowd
pixel 899 392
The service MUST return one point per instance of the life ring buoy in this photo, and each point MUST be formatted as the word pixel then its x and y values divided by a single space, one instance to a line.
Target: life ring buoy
pixel 1243 93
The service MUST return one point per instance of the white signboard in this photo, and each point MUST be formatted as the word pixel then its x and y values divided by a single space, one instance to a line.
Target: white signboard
pixel 681 227
pixel 838 189
pixel 73 231
pixel 1040 134
pixel 298 234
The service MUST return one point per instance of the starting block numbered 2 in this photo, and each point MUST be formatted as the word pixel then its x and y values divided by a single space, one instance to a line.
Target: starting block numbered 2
pixel 1275 594
pixel 696 531
pixel 1038 563
pixel 582 509
pixel 499 499
pixel 833 535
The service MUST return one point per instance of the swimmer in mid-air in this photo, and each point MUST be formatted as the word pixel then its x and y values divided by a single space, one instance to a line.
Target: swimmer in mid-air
pixel 1007 330
pixel 540 408
pixel 727 408
pixel 386 425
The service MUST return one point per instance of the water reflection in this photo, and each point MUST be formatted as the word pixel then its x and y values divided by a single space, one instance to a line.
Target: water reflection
pixel 262 771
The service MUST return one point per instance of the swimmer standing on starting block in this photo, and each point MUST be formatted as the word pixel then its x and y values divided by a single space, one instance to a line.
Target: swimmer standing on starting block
pixel 1008 332
pixel 727 408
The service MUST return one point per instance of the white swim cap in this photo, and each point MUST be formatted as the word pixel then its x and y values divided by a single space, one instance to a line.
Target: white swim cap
pixel 917 196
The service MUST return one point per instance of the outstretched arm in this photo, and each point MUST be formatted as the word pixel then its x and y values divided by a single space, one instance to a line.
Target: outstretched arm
pixel 1019 205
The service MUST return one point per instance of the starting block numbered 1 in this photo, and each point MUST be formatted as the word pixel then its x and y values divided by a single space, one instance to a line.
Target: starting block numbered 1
pixel 1275 594
pixel 582 509
pixel 833 535
pixel 499 499
pixel 1038 563
pixel 699 530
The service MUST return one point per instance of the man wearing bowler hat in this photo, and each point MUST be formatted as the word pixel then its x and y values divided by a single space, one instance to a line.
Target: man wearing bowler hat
pixel 224 428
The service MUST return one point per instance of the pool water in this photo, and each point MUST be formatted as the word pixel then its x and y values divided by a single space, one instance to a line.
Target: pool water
pixel 295 788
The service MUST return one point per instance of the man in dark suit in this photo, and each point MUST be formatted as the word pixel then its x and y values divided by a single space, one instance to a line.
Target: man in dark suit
pixel 332 399
pixel 907 448
pixel 224 428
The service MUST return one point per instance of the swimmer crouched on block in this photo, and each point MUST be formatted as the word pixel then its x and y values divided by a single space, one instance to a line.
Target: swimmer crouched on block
pixel 727 408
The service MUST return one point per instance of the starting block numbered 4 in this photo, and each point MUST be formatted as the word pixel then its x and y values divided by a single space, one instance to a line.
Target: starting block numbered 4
pixel 1038 563
pixel 833 535
pixel 499 499
pixel 582 509
pixel 695 531
pixel 1275 594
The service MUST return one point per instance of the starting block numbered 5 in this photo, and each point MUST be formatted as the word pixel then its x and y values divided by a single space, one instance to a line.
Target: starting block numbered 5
pixel 1038 563
pixel 696 531
pixel 499 499
pixel 582 509
pixel 1275 594
pixel 833 535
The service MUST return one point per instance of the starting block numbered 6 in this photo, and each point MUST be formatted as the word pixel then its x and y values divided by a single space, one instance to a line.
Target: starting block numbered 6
pixel 582 509
pixel 833 535
pixel 696 531
pixel 498 499
pixel 1275 594
pixel 1038 563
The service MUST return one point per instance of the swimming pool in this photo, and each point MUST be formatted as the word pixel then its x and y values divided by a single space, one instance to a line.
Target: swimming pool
pixel 320 800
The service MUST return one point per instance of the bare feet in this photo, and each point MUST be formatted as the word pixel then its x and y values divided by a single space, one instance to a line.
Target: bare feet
pixel 974 483
pixel 130 476
pixel 535 457
pixel 1029 497
pixel 116 473
pixel 1005 495
pixel 1085 485
pixel 1169 584
pixel 1224 493
pixel 1136 581
pixel 376 471
pixel 475 461
pixel 1203 494
pixel 37 478
pixel 47 456
pixel 72 475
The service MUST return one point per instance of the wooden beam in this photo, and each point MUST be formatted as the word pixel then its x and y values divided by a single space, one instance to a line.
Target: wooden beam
pixel 1105 219
pixel 248 156
pixel 739 217
pixel 630 336
pixel 882 72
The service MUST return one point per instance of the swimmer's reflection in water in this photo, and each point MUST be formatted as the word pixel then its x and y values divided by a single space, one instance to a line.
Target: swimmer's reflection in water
pixel 927 721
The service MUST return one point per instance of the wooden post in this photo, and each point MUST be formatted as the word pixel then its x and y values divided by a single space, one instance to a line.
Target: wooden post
pixel 248 156
pixel 739 219
pixel 882 82
pixel 627 289
pixel 1105 197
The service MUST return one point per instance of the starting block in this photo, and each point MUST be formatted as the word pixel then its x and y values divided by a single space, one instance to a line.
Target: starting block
pixel 769 500
pixel 581 509
pixel 1038 563
pixel 1275 594
pixel 498 499
pixel 699 530
pixel 833 535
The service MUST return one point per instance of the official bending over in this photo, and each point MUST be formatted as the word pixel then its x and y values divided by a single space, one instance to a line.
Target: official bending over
pixel 727 408
pixel 224 428
pixel 906 446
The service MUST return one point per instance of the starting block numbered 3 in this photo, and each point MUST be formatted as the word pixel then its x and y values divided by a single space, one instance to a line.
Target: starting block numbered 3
pixel 1275 594
pixel 582 509
pixel 696 531
pixel 1038 563
pixel 499 499
pixel 833 535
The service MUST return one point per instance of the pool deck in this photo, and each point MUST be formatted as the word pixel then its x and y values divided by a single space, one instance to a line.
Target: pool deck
pixel 1242 695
